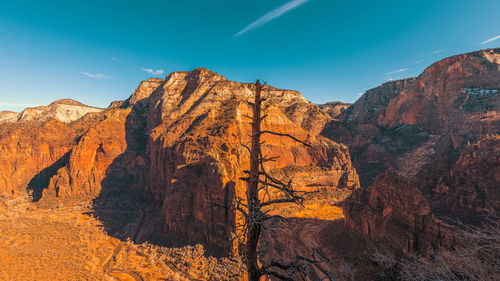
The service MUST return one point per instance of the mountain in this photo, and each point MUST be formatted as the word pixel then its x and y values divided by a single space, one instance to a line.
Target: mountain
pixel 440 133
pixel 334 108
pixel 180 141
pixel 158 165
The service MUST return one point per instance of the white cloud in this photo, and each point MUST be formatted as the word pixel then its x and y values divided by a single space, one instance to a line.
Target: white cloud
pixel 437 51
pixel 17 105
pixel 117 59
pixel 96 76
pixel 490 40
pixel 152 71
pixel 272 15
pixel 397 71
pixel 359 94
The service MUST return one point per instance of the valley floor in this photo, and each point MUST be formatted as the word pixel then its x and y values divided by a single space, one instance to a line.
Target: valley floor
pixel 65 242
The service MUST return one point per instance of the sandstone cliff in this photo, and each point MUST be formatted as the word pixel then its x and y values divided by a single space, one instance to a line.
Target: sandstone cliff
pixel 393 211
pixel 110 152
pixel 180 140
pixel 401 124
pixel 33 146
pixel 197 124
pixel 334 108
pixel 439 132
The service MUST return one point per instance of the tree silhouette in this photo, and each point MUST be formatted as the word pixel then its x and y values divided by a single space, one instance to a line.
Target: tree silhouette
pixel 259 183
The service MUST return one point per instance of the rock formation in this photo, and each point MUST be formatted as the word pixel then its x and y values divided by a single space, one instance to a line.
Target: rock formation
pixel 36 143
pixel 394 211
pixel 197 123
pixel 402 124
pixel 439 132
pixel 182 140
pixel 64 110
pixel 334 108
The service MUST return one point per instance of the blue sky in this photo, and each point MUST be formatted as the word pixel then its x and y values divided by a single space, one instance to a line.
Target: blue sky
pixel 98 51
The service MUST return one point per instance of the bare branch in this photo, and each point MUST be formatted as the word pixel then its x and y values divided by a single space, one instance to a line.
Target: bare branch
pixel 285 135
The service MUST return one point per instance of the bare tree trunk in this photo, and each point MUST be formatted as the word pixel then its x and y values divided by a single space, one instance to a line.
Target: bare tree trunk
pixel 254 227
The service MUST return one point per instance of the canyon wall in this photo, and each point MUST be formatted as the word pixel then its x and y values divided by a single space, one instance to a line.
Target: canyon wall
pixel 181 140
pixel 438 133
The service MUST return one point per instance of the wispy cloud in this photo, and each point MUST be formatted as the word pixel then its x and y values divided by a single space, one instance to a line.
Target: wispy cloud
pixel 438 51
pixel 17 105
pixel 117 59
pixel 359 94
pixel 397 71
pixel 152 71
pixel 271 15
pixel 490 40
pixel 96 76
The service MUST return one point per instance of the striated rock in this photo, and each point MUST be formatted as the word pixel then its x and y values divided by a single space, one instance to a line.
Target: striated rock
pixel 64 110
pixel 394 211
pixel 422 128
pixel 197 124
pixel 472 186
pixel 334 108
pixel 8 116
pixel 109 154
pixel 404 123
pixel 30 152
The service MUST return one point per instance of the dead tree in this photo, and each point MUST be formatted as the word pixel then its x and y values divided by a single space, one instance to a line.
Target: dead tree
pixel 259 182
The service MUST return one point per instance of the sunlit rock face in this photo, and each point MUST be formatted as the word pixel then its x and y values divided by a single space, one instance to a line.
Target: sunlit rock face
pixel 110 153
pixel 8 116
pixel 182 141
pixel 335 108
pixel 439 132
pixel 197 124
pixel 402 124
pixel 37 141
pixel 65 110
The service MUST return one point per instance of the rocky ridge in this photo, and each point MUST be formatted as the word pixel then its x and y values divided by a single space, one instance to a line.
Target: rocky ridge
pixel 179 140
pixel 439 132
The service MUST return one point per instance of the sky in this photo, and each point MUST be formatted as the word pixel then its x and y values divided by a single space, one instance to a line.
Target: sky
pixel 96 52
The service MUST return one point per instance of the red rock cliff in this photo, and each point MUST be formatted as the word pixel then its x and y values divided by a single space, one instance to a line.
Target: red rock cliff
pixel 197 124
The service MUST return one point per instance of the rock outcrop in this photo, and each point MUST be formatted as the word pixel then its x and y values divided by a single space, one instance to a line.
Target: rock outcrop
pixel 34 146
pixel 470 187
pixel 64 110
pixel 402 124
pixel 197 123
pixel 392 210
pixel 180 140
pixel 439 132
pixel 8 116
pixel 334 108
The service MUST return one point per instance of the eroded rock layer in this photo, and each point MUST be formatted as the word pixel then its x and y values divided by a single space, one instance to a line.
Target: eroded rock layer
pixel 439 132
pixel 197 124
pixel 181 140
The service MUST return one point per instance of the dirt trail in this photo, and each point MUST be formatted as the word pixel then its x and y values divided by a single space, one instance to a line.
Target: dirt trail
pixel 123 275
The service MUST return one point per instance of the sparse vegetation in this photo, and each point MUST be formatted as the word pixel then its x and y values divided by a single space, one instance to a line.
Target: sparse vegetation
pixel 53 241
pixel 477 258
